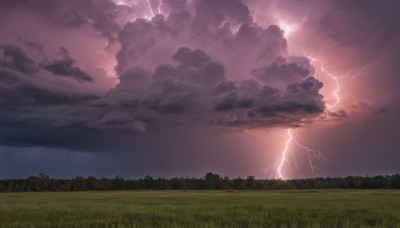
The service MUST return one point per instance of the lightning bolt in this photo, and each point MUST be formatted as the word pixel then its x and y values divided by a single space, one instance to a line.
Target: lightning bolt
pixel 354 73
pixel 284 153
pixel 159 7
pixel 336 91
pixel 151 10
pixel 291 139
pixel 312 153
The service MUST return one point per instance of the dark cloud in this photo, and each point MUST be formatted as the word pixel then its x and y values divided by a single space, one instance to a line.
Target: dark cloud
pixel 14 57
pixel 189 58
pixel 135 78
pixel 18 89
pixel 230 72
pixel 35 45
pixel 214 64
pixel 28 96
pixel 101 15
pixel 211 15
pixel 66 68
pixel 199 86
pixel 283 71
pixel 137 37
pixel 382 17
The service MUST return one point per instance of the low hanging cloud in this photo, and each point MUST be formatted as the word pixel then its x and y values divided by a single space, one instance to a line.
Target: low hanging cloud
pixel 65 67
pixel 203 62
pixel 15 58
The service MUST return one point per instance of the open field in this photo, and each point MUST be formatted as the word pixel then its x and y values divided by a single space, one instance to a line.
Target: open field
pixel 316 208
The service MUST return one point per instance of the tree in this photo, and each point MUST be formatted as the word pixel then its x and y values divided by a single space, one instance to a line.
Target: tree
pixel 213 181
pixel 177 183
pixel 78 184
pixel 118 183
pixel 44 182
pixel 32 184
pixel 2 187
pixel 91 183
pixel 395 181
pixel 250 182
pixel 238 183
pixel 148 182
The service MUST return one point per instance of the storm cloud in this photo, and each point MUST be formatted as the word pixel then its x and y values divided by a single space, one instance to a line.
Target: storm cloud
pixel 130 72
pixel 194 84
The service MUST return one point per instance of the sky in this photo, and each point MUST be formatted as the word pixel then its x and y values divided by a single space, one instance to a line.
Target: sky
pixel 266 88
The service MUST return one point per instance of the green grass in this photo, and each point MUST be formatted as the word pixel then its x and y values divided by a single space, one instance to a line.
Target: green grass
pixel 320 208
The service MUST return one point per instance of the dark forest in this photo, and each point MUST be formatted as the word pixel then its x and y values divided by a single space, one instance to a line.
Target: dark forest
pixel 210 181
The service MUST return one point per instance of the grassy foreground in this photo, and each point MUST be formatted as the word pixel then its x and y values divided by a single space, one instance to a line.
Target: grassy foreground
pixel 321 208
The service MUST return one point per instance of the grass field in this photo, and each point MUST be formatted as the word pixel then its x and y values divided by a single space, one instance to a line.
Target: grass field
pixel 321 208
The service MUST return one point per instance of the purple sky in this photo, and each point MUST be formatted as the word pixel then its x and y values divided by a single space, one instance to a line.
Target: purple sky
pixel 184 87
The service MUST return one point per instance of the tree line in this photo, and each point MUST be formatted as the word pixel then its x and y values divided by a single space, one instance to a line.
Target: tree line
pixel 210 181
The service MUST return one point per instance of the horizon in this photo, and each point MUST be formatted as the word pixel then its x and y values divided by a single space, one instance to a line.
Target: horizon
pixel 198 177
